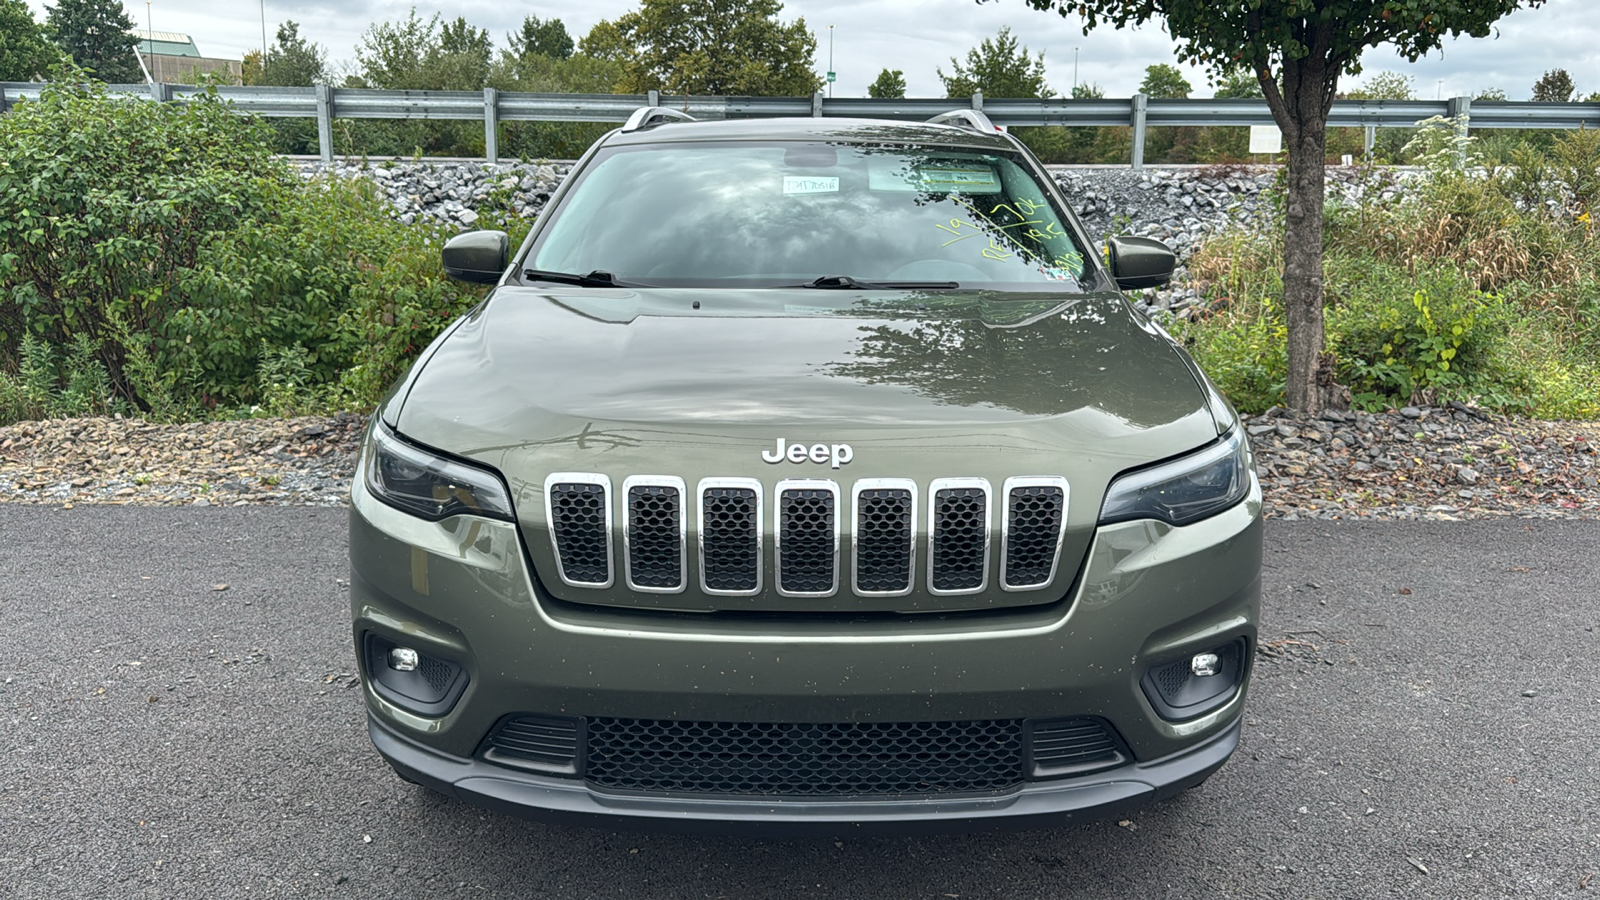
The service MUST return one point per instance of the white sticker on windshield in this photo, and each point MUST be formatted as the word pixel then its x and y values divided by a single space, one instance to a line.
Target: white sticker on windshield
pixel 801 184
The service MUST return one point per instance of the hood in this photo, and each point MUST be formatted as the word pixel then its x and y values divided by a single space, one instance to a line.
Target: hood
pixel 698 384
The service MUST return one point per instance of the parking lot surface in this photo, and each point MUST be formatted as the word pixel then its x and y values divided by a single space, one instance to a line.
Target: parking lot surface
pixel 179 717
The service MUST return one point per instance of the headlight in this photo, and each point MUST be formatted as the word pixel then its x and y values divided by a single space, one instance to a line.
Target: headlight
pixel 428 485
pixel 1184 490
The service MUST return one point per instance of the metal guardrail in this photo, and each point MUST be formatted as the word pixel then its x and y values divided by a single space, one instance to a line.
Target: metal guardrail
pixel 490 106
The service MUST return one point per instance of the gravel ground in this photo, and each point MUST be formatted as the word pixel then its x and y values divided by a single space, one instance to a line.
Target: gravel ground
pixel 1415 463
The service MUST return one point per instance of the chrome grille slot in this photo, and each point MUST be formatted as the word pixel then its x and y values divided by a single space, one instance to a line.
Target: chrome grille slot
pixel 885 536
pixel 655 533
pixel 958 536
pixel 578 506
pixel 1036 518
pixel 806 537
pixel 730 536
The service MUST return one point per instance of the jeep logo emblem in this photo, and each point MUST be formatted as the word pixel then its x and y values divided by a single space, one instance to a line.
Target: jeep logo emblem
pixel 837 454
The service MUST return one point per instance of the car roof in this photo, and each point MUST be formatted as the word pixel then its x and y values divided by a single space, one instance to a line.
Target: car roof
pixel 800 128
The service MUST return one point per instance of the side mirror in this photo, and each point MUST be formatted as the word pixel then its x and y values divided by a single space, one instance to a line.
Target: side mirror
pixel 477 256
pixel 1140 262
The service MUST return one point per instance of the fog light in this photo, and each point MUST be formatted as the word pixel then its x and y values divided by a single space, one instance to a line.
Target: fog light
pixel 404 659
pixel 1196 684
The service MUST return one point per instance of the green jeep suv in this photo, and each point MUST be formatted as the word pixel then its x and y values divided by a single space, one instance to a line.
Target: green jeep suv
pixel 806 475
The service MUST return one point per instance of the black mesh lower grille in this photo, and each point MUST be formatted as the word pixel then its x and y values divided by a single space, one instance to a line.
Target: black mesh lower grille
pixel 1033 530
pixel 655 536
pixel 578 524
pixel 959 544
pixel 870 759
pixel 1072 746
pixel 730 535
pixel 806 544
pixel 883 540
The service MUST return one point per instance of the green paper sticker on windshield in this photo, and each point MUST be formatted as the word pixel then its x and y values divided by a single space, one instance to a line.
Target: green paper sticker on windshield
pixel 802 184
pixel 960 177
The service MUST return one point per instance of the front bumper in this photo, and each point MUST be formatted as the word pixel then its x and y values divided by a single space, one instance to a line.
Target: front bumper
pixel 1149 594
pixel 1037 805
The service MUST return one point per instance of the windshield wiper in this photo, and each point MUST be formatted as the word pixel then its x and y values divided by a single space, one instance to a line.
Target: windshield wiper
pixel 597 278
pixel 845 282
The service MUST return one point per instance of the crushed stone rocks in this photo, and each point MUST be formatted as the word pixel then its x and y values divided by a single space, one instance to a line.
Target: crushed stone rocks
pixel 299 462
pixel 1438 463
pixel 1442 463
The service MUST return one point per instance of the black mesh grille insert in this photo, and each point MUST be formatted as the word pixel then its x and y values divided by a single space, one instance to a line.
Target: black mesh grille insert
pixel 729 539
pixel 1072 747
pixel 806 543
pixel 544 742
pixel 655 536
pixel 883 540
pixel 804 760
pixel 959 540
pixel 578 523
pixel 1032 531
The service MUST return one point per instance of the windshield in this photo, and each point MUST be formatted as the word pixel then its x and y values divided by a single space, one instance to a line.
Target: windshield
pixel 779 214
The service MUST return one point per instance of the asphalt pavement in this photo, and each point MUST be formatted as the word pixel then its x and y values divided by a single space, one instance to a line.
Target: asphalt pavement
pixel 179 717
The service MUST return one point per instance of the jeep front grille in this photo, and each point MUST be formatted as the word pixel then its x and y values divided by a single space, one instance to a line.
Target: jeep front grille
pixel 730 536
pixel 655 534
pixel 958 528
pixel 806 539
pixel 579 509
pixel 885 538
pixel 808 519
pixel 1031 537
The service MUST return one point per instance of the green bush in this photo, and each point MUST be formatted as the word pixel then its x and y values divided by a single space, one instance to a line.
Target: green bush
pixel 158 259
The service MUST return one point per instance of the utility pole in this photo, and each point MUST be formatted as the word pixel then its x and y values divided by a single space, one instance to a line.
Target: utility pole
pixel 830 62
pixel 1074 71
pixel 263 33
pixel 149 43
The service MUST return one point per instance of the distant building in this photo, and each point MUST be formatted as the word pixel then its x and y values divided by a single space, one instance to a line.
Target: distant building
pixel 173 58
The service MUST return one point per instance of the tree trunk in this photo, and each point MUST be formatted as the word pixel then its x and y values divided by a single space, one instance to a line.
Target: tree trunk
pixel 1307 139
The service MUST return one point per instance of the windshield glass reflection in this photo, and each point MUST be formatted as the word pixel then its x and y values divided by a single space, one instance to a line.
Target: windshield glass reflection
pixel 749 214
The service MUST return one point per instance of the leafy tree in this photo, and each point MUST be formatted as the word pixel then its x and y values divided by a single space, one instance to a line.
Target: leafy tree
pixel 520 68
pixel 1230 143
pixel 420 55
pixel 1164 82
pixel 1078 145
pixel 891 83
pixel 1299 49
pixel 1239 84
pixel 541 37
pixel 998 67
pixel 97 35
pixel 292 61
pixel 1491 94
pixel 727 47
pixel 1001 67
pixel 26 53
pixel 1554 87
pixel 1386 86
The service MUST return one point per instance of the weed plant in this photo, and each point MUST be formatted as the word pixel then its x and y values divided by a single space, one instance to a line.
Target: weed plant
pixel 1480 281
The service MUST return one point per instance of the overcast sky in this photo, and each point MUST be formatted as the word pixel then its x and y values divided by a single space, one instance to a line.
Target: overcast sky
pixel 918 36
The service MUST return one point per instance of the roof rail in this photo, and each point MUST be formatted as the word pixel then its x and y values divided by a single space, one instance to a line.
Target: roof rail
pixel 648 116
pixel 970 119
